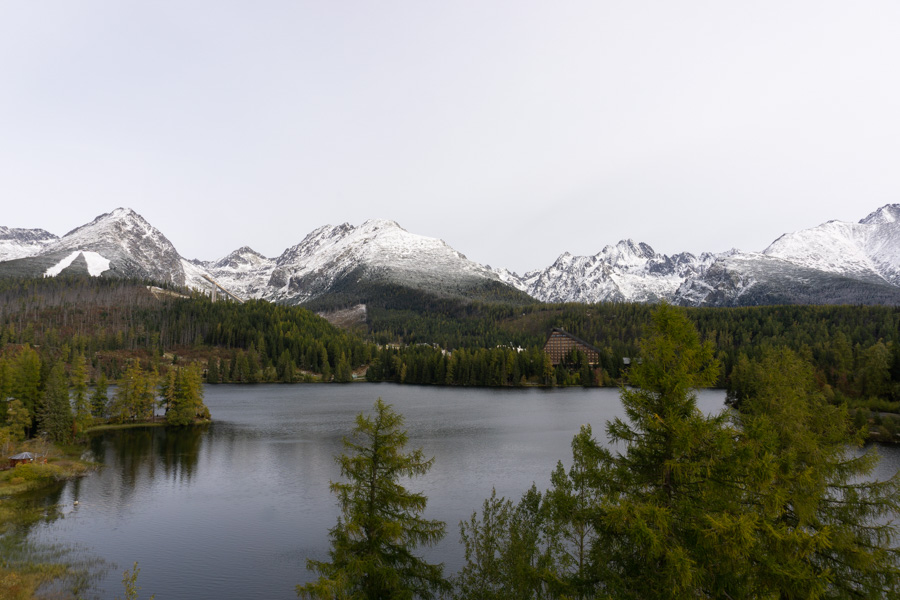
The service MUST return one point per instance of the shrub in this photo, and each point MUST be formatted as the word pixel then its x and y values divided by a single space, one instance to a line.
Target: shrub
pixel 35 471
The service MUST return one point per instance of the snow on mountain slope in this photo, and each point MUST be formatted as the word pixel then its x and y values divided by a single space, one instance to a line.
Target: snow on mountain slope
pixel 883 242
pixel 131 246
pixel 244 272
pixel 753 279
pixel 96 264
pixel 628 271
pixel 870 247
pixel 193 276
pixel 834 262
pixel 19 243
pixel 377 250
pixel 834 247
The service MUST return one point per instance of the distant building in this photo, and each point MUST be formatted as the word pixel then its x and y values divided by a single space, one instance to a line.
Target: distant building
pixel 19 459
pixel 562 342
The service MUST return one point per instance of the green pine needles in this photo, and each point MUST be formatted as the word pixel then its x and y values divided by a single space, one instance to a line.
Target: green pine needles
pixel 771 500
pixel 774 500
pixel 372 545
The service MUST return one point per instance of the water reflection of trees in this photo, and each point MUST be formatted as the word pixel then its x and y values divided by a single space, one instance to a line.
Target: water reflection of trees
pixel 26 510
pixel 148 451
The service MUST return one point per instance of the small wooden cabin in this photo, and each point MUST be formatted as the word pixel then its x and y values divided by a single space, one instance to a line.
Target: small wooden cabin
pixel 561 342
pixel 23 457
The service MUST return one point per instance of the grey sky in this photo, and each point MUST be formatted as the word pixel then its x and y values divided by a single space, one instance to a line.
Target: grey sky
pixel 513 130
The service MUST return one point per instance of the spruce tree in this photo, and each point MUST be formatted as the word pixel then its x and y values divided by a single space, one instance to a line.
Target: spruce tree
pixel 372 546
pixel 54 413
pixel 80 401
pixel 773 501
pixel 827 527
pixel 100 397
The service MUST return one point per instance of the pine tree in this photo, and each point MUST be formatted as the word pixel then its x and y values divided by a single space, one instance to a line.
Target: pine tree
pixel 372 545
pixel 54 413
pixel 26 378
pixel 343 373
pixel 571 505
pixel 183 396
pixel 135 397
pixel 827 530
pixel 100 397
pixel 212 370
pixel 80 401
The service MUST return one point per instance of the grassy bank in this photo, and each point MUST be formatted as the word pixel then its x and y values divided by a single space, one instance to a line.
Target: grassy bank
pixel 24 568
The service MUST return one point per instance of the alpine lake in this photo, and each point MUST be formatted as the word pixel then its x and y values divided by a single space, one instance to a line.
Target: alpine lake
pixel 232 510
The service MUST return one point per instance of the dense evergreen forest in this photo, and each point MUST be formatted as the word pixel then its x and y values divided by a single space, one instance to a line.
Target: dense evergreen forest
pixel 411 337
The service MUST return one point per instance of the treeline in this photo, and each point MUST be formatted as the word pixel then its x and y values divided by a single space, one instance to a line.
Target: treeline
pixel 415 337
pixel 48 394
pixel 855 350
pixel 113 321
pixel 491 367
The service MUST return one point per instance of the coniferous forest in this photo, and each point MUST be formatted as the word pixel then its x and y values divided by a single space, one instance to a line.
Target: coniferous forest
pixel 698 506
pixel 413 338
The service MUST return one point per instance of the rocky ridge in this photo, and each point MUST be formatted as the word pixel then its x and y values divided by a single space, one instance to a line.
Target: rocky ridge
pixel 836 262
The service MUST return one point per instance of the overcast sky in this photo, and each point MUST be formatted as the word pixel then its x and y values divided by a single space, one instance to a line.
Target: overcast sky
pixel 513 130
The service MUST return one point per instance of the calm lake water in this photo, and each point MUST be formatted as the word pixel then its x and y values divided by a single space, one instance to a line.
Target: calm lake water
pixel 232 511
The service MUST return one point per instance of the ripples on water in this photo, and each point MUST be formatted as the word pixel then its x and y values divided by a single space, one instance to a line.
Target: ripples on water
pixel 233 510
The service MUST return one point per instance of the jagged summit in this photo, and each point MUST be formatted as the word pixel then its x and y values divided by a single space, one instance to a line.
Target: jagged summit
pixel 120 243
pixel 244 272
pixel 626 271
pixel 245 255
pixel 376 251
pixel 25 235
pixel 126 216
pixel 133 247
pixel 889 213
pixel 834 262
pixel 18 243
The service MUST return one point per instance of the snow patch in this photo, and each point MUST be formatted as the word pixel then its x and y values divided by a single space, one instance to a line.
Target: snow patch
pixel 58 267
pixel 96 263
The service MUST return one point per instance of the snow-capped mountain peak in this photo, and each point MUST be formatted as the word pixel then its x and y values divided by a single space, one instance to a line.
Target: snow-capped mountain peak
pixel 376 250
pixel 127 243
pixel 245 256
pixel 834 262
pixel 867 249
pixel 626 271
pixel 18 243
pixel 889 213
pixel 244 272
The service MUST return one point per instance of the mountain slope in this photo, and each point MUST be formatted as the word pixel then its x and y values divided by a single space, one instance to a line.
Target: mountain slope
pixel 116 244
pixel 626 272
pixel 19 243
pixel 244 272
pixel 334 266
pixel 836 262
pixel 756 279
pixel 376 252
pixel 869 247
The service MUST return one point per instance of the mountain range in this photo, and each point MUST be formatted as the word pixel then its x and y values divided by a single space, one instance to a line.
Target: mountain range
pixel 834 263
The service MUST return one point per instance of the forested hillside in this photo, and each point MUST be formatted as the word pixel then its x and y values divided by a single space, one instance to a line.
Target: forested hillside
pixel 112 320
pixel 413 337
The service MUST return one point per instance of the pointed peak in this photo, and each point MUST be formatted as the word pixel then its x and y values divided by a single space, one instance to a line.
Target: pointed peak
pixel 245 251
pixel 123 212
pixel 120 214
pixel 889 213
pixel 635 248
